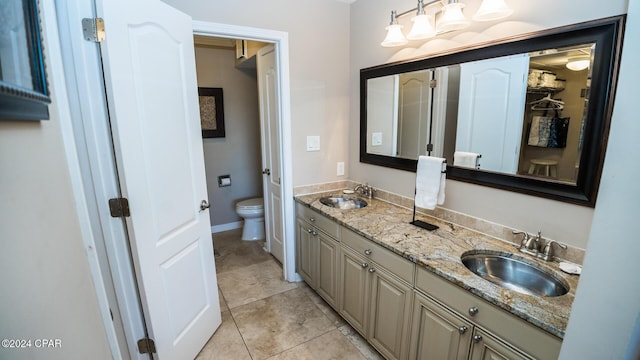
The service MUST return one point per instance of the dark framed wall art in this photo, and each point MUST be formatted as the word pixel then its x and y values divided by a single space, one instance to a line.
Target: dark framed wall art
pixel 24 94
pixel 211 112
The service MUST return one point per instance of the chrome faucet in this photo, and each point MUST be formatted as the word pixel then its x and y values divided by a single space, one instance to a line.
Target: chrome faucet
pixel 365 190
pixel 535 245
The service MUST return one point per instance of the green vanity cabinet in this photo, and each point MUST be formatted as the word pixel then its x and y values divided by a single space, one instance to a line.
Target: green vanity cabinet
pixel 488 347
pixel 497 334
pixel 406 311
pixel 437 333
pixel 376 293
pixel 317 251
pixel 354 288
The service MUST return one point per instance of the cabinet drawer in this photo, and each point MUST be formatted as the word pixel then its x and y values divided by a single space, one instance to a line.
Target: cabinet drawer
pixel 319 221
pixel 400 267
pixel 527 337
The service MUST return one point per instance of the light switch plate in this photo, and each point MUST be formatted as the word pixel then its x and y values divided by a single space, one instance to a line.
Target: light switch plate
pixel 340 168
pixel 313 143
pixel 376 139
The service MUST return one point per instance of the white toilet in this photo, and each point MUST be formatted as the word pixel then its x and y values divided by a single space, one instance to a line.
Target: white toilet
pixel 252 210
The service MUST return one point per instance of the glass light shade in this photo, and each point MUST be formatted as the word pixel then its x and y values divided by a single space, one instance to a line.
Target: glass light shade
pixel 395 37
pixel 422 28
pixel 578 64
pixel 492 10
pixel 452 18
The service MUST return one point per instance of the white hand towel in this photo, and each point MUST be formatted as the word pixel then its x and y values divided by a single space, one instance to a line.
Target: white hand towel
pixel 465 159
pixel 430 178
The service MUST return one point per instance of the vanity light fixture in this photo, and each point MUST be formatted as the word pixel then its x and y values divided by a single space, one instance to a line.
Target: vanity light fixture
pixel 423 24
pixel 451 18
pixel 395 37
pixel 578 63
pixel 492 10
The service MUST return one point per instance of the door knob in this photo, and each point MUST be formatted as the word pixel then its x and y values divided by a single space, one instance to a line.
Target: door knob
pixel 473 311
pixel 365 265
pixel 477 338
pixel 463 329
pixel 204 205
pixel 266 171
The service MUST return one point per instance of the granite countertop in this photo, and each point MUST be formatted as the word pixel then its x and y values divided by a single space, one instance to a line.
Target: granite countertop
pixel 439 251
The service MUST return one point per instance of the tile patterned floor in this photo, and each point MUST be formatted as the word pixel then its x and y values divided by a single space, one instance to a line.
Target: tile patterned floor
pixel 265 317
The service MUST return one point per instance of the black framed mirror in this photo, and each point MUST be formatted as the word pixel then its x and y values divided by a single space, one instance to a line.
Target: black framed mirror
pixel 23 84
pixel 533 110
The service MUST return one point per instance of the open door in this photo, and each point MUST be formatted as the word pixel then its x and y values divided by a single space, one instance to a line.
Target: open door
pixel 268 90
pixel 150 80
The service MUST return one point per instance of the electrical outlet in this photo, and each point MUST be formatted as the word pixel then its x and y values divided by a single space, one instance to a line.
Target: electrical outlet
pixel 340 168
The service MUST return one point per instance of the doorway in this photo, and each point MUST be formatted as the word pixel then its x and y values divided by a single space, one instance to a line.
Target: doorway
pixel 275 134
pixel 118 263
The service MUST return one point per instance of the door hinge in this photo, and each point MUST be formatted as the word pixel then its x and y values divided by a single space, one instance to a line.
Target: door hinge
pixel 119 207
pixel 93 29
pixel 433 83
pixel 146 346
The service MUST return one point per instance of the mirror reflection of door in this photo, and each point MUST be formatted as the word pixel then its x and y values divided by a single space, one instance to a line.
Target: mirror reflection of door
pixel 413 114
pixel 399 114
pixel 490 110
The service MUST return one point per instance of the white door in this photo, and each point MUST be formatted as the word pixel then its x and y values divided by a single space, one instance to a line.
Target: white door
pixel 268 89
pixel 413 117
pixel 491 110
pixel 149 68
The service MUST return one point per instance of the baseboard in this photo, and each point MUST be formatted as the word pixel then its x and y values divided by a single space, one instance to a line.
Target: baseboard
pixel 227 227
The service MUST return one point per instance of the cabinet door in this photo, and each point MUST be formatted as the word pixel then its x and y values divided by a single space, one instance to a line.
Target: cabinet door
pixel 390 314
pixel 437 333
pixel 353 289
pixel 305 252
pixel 487 347
pixel 327 257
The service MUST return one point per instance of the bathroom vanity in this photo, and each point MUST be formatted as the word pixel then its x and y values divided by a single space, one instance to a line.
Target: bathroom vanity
pixel 407 292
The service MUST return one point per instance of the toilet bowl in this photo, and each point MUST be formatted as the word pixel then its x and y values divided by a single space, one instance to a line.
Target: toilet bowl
pixel 252 210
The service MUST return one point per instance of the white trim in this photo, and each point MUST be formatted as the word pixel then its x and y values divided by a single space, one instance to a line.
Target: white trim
pixel 281 39
pixel 226 227
pixel 58 86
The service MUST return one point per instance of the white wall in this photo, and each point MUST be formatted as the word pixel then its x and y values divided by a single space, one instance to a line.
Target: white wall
pixel 319 71
pixel 557 220
pixel 238 153
pixel 607 304
pixel 47 290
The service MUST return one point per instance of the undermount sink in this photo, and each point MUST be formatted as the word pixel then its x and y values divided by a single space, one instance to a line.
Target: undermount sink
pixel 514 274
pixel 343 202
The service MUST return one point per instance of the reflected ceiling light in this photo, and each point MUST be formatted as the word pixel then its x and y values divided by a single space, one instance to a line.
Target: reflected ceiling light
pixel 423 27
pixel 440 16
pixel 452 17
pixel 395 37
pixel 492 10
pixel 578 63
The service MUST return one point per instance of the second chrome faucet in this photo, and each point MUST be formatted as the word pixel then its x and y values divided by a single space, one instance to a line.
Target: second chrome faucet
pixel 365 190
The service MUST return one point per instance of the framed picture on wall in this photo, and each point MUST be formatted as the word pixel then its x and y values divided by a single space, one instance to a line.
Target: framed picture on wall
pixel 211 112
pixel 24 94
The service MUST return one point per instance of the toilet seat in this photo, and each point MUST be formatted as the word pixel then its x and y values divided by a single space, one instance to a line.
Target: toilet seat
pixel 250 204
